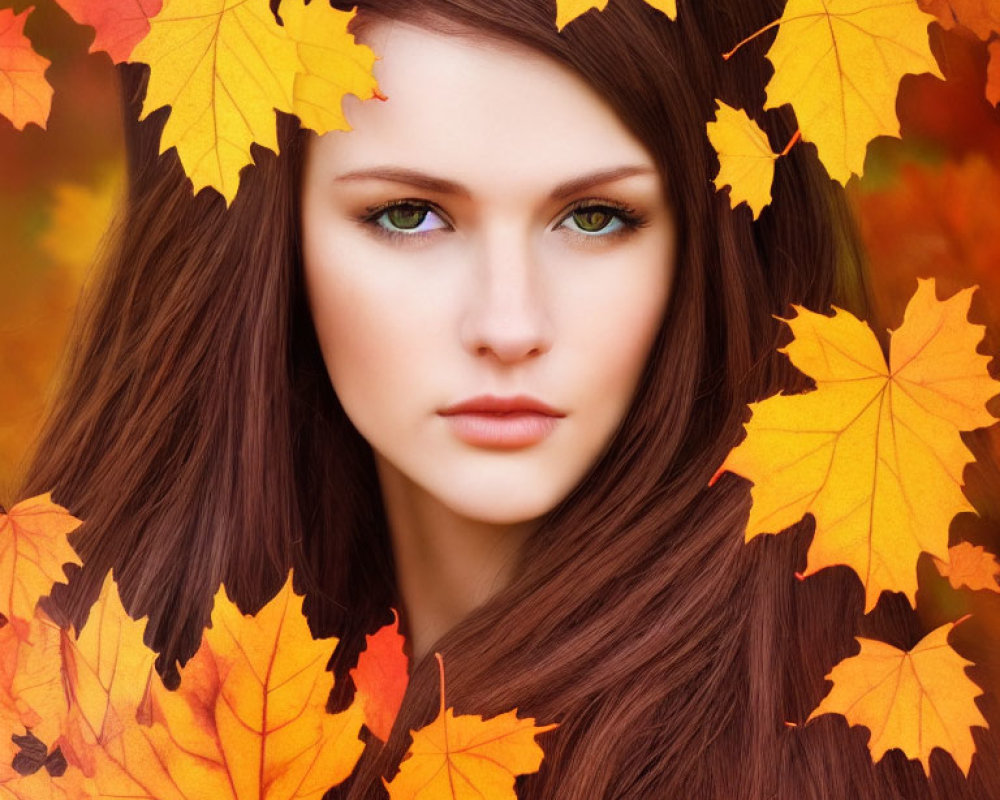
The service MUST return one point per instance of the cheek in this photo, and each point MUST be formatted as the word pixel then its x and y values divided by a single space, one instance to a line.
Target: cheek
pixel 620 326
pixel 351 318
pixel 375 325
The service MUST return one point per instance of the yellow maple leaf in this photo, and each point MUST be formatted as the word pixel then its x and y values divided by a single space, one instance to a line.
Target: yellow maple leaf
pixel 915 700
pixel 464 757
pixel 569 10
pixel 874 453
pixel 970 566
pixel 33 549
pixel 223 67
pixel 25 94
pixel 249 719
pixel 746 161
pixel 335 65
pixel 839 63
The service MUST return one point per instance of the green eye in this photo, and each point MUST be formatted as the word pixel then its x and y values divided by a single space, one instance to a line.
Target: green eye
pixel 406 217
pixel 592 220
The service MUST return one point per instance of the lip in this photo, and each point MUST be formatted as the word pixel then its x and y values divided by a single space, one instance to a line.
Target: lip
pixel 503 423
pixel 490 404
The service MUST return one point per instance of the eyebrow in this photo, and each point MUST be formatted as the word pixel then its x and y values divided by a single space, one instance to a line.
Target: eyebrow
pixel 430 183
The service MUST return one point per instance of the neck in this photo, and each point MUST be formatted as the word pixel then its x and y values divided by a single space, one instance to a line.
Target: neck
pixel 446 564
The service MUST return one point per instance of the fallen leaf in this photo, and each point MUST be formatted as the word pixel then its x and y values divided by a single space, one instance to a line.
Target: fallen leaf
pixel 467 757
pixel 569 10
pixel 970 566
pixel 914 701
pixel 119 24
pixel 874 453
pixel 839 65
pixel 335 65
pixel 25 94
pixel 223 67
pixel 381 677
pixel 982 17
pixel 33 550
pixel 249 719
pixel 746 161
pixel 993 73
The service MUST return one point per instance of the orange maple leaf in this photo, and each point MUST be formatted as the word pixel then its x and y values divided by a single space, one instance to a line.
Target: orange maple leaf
pixel 915 700
pixel 993 73
pixel 249 719
pixel 39 775
pixel 466 756
pixel 25 94
pixel 970 566
pixel 982 17
pixel 33 709
pixel 108 671
pixel 119 24
pixel 33 549
pixel 31 676
pixel 874 453
pixel 381 677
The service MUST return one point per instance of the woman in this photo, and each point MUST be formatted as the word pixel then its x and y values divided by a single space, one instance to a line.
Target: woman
pixel 238 402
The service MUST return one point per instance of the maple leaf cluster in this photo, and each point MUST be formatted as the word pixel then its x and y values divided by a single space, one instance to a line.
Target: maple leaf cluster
pixel 85 716
pixel 874 454
pixel 838 66
pixel 224 67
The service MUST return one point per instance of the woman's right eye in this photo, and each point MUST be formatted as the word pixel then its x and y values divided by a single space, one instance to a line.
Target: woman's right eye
pixel 406 218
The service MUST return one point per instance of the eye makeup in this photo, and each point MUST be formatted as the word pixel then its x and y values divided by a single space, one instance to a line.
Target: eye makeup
pixel 414 219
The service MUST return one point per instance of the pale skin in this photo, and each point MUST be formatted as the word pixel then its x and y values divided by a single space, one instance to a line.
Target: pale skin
pixel 490 229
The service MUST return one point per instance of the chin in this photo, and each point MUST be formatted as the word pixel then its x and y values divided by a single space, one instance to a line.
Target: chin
pixel 502 507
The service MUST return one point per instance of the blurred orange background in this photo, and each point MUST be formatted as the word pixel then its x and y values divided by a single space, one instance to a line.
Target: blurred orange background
pixel 58 189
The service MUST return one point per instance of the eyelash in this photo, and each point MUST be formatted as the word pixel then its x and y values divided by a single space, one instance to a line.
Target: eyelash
pixel 631 219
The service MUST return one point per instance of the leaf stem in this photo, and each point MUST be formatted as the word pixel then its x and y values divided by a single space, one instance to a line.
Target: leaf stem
pixel 750 38
pixel 441 672
pixel 795 137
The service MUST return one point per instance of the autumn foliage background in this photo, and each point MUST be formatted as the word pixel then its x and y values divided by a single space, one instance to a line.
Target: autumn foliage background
pixel 928 206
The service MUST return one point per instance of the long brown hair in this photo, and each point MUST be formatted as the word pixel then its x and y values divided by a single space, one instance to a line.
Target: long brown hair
pixel 199 437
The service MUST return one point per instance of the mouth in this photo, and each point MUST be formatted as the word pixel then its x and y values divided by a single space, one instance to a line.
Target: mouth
pixel 502 423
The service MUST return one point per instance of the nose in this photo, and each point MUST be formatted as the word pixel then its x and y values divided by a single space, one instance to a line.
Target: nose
pixel 507 316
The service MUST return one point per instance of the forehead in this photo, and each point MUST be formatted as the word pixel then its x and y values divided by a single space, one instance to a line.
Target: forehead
pixel 473 109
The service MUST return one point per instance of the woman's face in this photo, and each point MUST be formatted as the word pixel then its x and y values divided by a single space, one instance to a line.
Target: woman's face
pixel 491 230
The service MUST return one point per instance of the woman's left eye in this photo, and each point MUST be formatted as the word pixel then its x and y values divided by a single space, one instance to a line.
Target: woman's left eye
pixel 598 220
